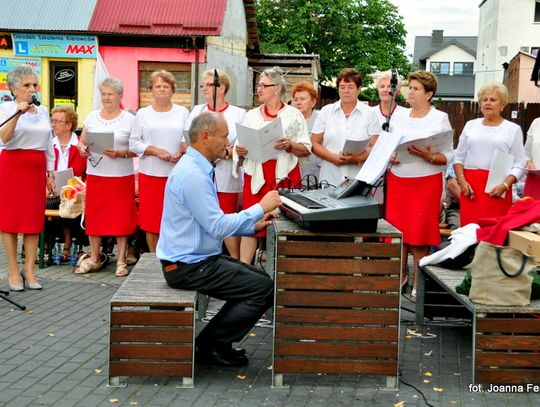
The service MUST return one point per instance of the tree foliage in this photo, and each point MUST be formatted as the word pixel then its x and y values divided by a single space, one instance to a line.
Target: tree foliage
pixel 368 35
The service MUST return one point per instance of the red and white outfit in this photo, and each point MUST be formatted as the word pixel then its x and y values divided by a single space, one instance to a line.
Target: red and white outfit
pixel 381 118
pixel 69 158
pixel 228 187
pixel 532 152
pixel 477 145
pixel 23 164
pixel 337 128
pixel 414 189
pixel 282 172
pixel 110 184
pixel 163 130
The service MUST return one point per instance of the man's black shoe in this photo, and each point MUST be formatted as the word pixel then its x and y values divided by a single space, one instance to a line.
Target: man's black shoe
pixel 219 358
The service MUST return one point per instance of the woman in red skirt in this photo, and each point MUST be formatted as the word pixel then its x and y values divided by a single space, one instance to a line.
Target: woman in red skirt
pixel 110 182
pixel 414 187
pixel 156 137
pixel 26 173
pixel 475 155
pixel 282 171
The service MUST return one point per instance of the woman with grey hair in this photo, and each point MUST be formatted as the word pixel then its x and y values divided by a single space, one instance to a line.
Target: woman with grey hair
pixel 26 170
pixel 382 110
pixel 479 141
pixel 110 183
pixel 283 171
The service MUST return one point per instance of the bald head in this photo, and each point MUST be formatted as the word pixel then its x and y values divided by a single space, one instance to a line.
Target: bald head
pixel 208 134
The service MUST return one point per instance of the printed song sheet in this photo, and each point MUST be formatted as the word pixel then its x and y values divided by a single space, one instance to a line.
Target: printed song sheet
pixel 501 164
pixel 438 142
pixel 355 146
pixel 378 159
pixel 97 142
pixel 260 143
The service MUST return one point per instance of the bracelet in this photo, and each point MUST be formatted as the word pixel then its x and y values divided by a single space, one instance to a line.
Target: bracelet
pixel 506 185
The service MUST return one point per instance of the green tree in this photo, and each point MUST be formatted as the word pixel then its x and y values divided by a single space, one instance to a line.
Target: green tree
pixel 368 35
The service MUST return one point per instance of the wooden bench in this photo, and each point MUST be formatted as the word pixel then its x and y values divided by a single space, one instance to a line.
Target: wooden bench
pixel 151 327
pixel 337 301
pixel 505 340
pixel 50 215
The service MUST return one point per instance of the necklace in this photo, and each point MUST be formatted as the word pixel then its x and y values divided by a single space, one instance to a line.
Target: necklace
pixel 391 113
pixel 272 116
pixel 219 110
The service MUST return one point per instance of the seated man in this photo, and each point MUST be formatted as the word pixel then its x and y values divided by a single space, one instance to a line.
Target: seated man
pixel 192 231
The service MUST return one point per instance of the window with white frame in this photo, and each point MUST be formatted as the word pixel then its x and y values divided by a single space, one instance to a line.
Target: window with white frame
pixel 441 68
pixel 463 68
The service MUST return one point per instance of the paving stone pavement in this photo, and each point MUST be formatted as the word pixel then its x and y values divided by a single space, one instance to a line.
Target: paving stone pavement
pixel 55 354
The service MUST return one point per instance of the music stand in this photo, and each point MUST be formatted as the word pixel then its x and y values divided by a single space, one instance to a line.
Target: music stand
pixel 4 294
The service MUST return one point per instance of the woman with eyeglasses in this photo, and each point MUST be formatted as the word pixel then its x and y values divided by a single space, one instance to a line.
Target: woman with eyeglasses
pixel 156 137
pixel 25 160
pixel 346 119
pixel 66 155
pixel 110 186
pixel 284 170
pixel 228 187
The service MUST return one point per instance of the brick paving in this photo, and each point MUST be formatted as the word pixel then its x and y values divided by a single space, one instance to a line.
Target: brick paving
pixel 55 354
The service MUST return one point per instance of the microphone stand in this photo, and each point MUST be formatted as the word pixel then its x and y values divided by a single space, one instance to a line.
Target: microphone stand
pixel 216 85
pixel 386 127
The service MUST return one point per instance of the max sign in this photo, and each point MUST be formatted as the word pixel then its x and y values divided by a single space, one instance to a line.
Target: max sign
pixel 54 45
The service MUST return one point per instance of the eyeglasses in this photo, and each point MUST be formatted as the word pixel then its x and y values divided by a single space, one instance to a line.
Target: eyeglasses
pixel 206 85
pixel 54 121
pixel 264 85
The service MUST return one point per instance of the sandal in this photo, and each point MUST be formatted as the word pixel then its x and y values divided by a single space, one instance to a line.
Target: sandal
pixel 121 270
pixel 87 266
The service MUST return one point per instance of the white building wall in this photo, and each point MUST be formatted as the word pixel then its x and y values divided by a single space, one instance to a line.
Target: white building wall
pixel 504 27
pixel 451 54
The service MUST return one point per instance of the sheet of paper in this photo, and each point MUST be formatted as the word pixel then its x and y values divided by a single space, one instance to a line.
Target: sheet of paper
pixel 378 159
pixel 355 146
pixel 97 142
pixel 61 178
pixel 499 168
pixel 260 143
pixel 438 142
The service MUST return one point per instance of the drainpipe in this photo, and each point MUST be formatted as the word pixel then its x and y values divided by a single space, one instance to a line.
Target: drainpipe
pixel 196 88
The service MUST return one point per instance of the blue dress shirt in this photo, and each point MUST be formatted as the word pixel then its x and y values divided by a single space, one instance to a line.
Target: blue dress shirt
pixel 193 225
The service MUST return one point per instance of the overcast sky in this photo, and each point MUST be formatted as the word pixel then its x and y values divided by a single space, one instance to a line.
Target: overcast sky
pixel 455 17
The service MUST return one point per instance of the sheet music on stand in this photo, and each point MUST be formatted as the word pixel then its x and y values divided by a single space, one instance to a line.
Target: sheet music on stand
pixel 375 165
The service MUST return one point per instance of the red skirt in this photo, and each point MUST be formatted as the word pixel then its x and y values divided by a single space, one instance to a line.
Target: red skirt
pixel 269 171
pixel 228 201
pixel 151 195
pixel 482 206
pixel 110 206
pixel 23 188
pixel 413 206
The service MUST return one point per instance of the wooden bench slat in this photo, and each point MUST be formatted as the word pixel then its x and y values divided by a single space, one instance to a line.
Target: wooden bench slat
pixel 502 325
pixel 388 368
pixel 508 359
pixel 153 351
pixel 338 266
pixel 155 369
pixel 507 376
pixel 154 318
pixel 336 350
pixel 152 334
pixel 507 342
pixel 338 249
pixel 333 283
pixel 336 333
pixel 337 299
pixel 338 316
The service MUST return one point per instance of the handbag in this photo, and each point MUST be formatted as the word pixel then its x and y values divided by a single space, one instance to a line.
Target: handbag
pixel 501 275
pixel 72 199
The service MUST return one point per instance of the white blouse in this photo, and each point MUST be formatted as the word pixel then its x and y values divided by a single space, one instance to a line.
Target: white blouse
pixel 412 128
pixel 225 180
pixel 478 143
pixel 102 165
pixel 159 129
pixel 532 145
pixel 32 131
pixel 294 128
pixel 361 125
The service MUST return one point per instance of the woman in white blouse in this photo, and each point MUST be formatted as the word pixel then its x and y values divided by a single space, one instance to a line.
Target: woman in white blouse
pixel 346 119
pixel 156 137
pixel 110 183
pixel 479 141
pixel 283 171
pixel 414 187
pixel 26 158
pixel 532 152
pixel 228 186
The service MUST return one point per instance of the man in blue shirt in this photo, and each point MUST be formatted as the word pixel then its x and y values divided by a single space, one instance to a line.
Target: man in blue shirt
pixel 192 231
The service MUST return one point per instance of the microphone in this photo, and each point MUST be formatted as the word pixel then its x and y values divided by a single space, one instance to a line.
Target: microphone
pixel 34 101
pixel 393 81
